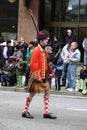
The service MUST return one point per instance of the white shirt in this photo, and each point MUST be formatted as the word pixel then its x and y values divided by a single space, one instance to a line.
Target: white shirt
pixel 5 52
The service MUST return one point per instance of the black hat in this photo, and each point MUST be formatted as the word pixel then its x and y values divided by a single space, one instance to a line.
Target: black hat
pixel 43 35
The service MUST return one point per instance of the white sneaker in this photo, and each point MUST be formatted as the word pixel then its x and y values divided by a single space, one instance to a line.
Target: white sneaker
pixel 76 89
pixel 70 89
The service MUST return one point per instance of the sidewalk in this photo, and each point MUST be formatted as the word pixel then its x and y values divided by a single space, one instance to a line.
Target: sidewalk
pixel 63 91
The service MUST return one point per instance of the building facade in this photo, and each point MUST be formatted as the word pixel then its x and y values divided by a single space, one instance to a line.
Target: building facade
pixel 54 15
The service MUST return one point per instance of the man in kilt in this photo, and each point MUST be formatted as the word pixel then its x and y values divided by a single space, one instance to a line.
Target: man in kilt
pixel 38 81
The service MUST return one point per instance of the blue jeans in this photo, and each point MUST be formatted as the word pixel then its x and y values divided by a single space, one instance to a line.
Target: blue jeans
pixel 57 83
pixel 64 76
pixel 71 75
pixel 50 81
pixel 85 57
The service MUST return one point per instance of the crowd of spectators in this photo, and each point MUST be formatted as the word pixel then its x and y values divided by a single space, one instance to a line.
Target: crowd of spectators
pixel 63 59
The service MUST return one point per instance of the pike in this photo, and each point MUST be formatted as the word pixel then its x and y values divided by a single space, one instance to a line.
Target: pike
pixel 34 21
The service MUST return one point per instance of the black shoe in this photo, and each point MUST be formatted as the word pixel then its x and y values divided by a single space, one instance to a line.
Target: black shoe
pixel 5 84
pixel 27 115
pixel 49 116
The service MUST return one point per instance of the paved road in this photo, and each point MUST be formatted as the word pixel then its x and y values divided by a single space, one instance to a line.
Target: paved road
pixel 71 112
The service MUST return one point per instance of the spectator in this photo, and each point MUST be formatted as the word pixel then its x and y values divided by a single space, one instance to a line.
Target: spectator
pixel 56 48
pixel 7 51
pixel 19 71
pixel 82 82
pixel 50 56
pixel 74 58
pixel 1 38
pixel 50 73
pixel 27 61
pixel 17 54
pixel 23 47
pixel 8 74
pixel 58 74
pixel 35 42
pixel 64 56
pixel 69 37
pixel 84 44
pixel 1 57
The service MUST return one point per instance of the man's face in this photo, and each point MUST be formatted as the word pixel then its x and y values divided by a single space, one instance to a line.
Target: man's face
pixel 69 33
pixel 44 41
pixel 21 40
pixel 73 46
pixel 55 39
pixel 9 44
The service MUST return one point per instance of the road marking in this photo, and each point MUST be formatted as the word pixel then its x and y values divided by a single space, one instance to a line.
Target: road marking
pixel 75 109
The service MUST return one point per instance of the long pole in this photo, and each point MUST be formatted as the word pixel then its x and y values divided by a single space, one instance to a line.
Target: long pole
pixel 34 21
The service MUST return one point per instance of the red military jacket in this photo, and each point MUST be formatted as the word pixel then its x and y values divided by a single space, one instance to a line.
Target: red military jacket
pixel 38 63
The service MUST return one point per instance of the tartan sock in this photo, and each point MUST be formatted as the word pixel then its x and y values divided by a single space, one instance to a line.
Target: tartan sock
pixel 46 104
pixel 27 104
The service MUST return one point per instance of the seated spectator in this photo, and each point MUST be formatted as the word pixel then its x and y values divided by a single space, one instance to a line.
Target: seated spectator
pixel 82 83
pixel 8 76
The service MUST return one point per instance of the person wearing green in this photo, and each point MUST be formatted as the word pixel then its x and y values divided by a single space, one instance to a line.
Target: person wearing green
pixel 27 61
pixel 19 71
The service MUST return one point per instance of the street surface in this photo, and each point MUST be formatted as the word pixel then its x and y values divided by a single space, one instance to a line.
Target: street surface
pixel 71 112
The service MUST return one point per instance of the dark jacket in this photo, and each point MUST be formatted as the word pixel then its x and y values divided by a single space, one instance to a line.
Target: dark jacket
pixel 23 49
pixel 59 68
pixel 83 74
pixel 69 39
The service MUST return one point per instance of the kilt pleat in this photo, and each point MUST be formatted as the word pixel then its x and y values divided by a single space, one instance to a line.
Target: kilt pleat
pixel 39 87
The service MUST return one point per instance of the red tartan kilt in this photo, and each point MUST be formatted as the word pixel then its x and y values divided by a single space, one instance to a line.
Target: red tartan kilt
pixel 39 87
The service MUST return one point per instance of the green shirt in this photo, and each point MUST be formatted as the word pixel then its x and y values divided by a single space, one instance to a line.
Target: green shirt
pixel 27 60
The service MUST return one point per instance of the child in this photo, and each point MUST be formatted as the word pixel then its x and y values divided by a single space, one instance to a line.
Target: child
pixel 51 73
pixel 58 73
pixel 82 83
pixel 19 71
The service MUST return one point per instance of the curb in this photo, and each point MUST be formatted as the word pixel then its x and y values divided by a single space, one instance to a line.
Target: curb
pixel 53 91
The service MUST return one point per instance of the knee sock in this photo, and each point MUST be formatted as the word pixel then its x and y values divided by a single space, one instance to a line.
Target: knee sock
pixel 27 104
pixel 46 105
